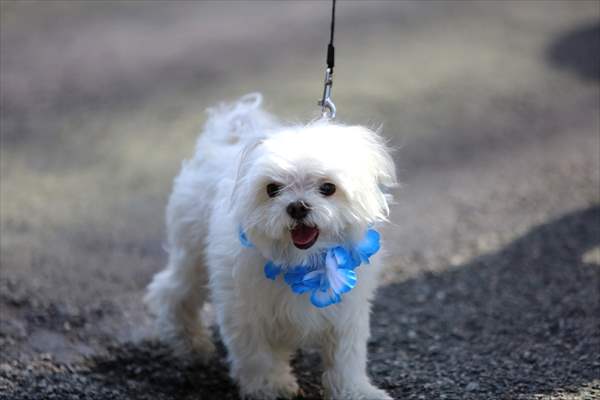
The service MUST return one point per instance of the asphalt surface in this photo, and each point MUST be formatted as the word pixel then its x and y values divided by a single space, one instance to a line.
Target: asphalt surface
pixel 493 290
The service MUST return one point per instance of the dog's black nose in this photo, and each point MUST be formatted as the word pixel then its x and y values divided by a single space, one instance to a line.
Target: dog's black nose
pixel 298 209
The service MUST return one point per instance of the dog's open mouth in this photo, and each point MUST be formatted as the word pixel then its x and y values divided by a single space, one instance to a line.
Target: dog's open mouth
pixel 304 236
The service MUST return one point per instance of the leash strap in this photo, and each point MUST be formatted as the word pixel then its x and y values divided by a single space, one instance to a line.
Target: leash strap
pixel 330 48
pixel 327 107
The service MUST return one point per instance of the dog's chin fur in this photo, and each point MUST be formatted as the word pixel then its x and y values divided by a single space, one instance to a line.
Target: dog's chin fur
pixel 221 191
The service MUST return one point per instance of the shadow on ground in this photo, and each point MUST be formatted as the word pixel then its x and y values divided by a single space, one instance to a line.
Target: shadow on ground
pixel 577 51
pixel 520 322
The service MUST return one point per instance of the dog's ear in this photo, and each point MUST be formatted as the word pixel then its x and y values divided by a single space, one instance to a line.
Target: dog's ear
pixel 384 164
pixel 384 170
pixel 378 171
pixel 245 161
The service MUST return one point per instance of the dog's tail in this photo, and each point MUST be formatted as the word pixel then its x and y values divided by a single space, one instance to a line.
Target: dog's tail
pixel 231 123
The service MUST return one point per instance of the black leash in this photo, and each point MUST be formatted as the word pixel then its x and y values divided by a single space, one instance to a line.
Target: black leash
pixel 330 48
pixel 327 107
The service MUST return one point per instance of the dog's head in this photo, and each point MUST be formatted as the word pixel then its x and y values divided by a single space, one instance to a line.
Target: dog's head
pixel 308 188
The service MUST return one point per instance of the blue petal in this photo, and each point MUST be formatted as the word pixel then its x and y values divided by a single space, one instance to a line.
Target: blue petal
pixel 300 288
pixel 272 270
pixel 313 279
pixel 369 245
pixel 342 280
pixel 295 275
pixel 301 279
pixel 342 257
pixel 355 259
pixel 293 278
pixel 324 284
pixel 244 239
pixel 320 298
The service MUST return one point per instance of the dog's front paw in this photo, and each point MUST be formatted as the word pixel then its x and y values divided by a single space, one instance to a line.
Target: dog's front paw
pixel 269 387
pixel 364 391
pixel 369 393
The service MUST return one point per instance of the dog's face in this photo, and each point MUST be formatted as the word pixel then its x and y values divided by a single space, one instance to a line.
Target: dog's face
pixel 305 189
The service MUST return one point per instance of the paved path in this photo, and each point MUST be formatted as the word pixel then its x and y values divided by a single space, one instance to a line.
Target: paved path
pixel 494 287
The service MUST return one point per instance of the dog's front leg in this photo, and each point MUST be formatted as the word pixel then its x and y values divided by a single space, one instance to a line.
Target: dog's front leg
pixel 345 360
pixel 262 370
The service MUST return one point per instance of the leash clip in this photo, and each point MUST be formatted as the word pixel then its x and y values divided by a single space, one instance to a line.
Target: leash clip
pixel 327 107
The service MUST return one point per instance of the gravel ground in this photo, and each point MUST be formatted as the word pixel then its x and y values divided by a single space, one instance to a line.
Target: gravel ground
pixel 493 290
pixel 518 323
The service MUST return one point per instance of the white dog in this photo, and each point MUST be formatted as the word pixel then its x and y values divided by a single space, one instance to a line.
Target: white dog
pixel 271 222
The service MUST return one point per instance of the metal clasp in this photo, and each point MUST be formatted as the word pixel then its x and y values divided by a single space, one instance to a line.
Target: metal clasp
pixel 327 106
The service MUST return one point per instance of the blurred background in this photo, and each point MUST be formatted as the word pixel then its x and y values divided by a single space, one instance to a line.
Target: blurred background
pixel 493 108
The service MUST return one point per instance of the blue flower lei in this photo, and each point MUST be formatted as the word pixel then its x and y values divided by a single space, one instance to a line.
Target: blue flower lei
pixel 331 273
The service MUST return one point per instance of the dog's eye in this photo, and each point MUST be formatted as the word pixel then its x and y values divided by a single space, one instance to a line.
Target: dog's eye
pixel 327 189
pixel 273 189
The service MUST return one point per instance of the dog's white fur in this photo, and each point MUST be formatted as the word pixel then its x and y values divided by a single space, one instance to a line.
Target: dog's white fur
pixel 221 190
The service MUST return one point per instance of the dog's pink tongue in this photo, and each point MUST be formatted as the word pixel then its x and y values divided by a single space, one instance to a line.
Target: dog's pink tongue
pixel 303 234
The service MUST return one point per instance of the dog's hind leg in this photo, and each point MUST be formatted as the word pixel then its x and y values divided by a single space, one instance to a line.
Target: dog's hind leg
pixel 176 296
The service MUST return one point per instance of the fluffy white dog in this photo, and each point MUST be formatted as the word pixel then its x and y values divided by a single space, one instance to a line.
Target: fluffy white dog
pixel 258 203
